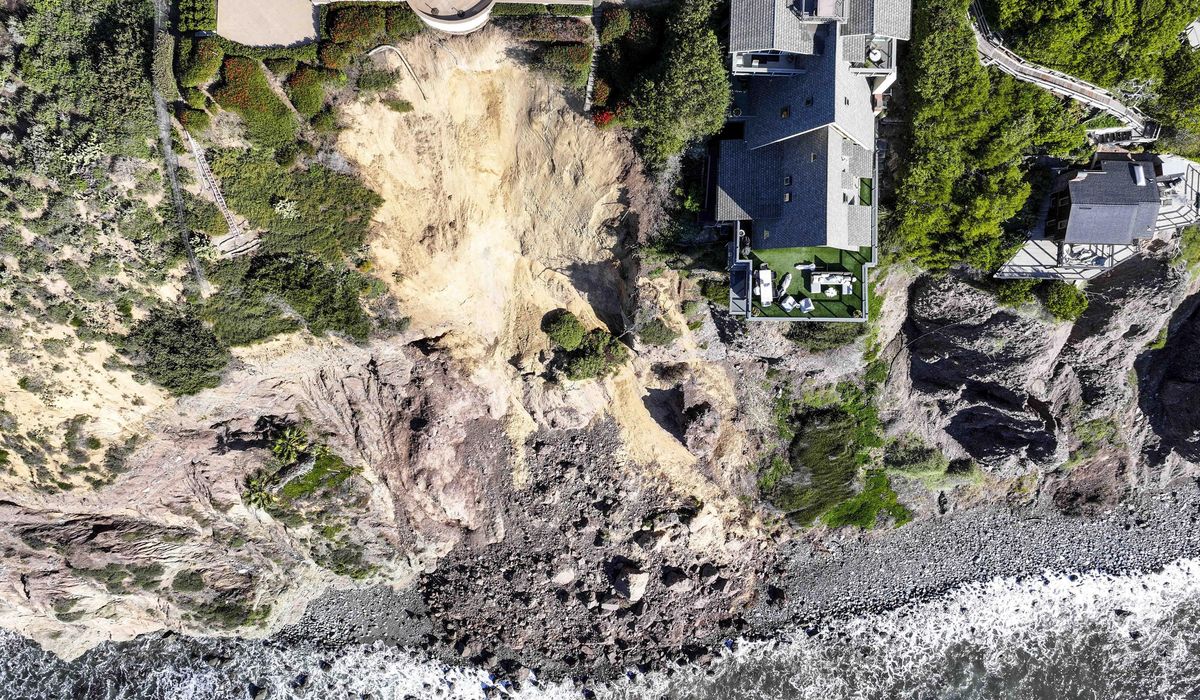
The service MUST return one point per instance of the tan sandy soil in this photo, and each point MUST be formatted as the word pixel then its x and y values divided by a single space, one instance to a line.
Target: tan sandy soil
pixel 267 22
pixel 496 195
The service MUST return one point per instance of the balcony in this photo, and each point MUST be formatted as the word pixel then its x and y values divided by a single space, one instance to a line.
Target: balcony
pixel 752 63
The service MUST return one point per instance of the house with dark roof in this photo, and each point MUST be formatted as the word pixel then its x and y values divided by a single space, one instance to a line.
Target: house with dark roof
pixel 1097 217
pixel 796 171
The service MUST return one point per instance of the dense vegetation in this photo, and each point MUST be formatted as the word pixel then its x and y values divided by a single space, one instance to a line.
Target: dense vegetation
pixel 352 29
pixel 244 89
pixel 666 78
pixel 583 354
pixel 312 210
pixel 197 15
pixel 176 351
pixel 86 91
pixel 962 178
pixel 1133 47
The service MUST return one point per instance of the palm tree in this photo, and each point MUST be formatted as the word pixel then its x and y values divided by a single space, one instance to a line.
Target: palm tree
pixel 290 444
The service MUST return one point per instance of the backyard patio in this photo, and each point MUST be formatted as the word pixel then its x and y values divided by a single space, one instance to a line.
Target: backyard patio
pixel 816 262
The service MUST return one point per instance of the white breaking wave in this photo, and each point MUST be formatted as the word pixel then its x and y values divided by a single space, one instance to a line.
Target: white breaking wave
pixel 1054 636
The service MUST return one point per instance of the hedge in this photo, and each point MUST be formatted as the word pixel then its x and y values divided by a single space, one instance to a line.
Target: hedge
pixel 570 10
pixel 549 29
pixel 516 9
pixel 306 53
pixel 245 90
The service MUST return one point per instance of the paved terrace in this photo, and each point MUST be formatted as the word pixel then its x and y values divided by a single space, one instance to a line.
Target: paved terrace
pixel 267 22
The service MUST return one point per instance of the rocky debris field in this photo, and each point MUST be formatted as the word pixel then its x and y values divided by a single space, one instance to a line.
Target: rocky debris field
pixel 598 570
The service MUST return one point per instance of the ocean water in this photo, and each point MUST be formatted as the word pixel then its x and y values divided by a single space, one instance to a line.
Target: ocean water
pixel 1055 636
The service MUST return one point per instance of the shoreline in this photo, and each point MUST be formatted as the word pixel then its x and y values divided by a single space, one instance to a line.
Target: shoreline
pixel 818 589
pixel 377 623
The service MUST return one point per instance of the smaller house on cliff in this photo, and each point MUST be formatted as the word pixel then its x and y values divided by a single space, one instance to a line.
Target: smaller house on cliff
pixel 1097 217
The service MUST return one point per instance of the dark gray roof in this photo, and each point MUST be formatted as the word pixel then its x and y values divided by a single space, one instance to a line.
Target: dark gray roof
pixel 765 25
pixel 1109 207
pixel 746 187
pixel 827 93
pixel 816 169
pixel 890 18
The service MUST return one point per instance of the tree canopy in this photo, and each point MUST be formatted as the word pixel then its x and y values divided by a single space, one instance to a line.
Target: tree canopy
pixel 972 127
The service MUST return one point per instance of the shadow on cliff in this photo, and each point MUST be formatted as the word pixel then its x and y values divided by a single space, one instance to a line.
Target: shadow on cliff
pixel 1169 385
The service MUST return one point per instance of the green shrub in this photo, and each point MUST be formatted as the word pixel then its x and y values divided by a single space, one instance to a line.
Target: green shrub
pixel 615 24
pixel 1015 292
pixel 402 22
pixel 316 211
pixel 240 317
pixel 376 80
pixel 1189 247
pixel 304 53
pixel 356 25
pixel 194 98
pixel 517 9
pixel 657 332
pixel 715 291
pixel 864 509
pixel 176 351
pixel 398 105
pixel 336 55
pixel 569 63
pixel 188 581
pixel 820 337
pixel 194 120
pixel 598 355
pixel 244 89
pixel 564 10
pixel 1065 300
pixel 972 131
pixel 281 67
pixel 198 61
pixel 325 122
pixel 164 67
pixel 325 297
pixel 564 329
pixel 197 15
pixel 306 89
pixel 687 98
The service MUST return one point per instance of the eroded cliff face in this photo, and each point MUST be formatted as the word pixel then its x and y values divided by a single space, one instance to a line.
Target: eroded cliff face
pixel 1049 410
pixel 171 542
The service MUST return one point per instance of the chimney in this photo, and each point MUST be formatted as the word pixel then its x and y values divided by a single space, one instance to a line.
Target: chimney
pixel 1139 174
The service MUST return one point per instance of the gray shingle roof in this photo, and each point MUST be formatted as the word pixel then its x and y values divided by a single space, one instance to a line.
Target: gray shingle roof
pixel 766 25
pixel 1108 206
pixel 890 18
pixel 816 169
pixel 828 93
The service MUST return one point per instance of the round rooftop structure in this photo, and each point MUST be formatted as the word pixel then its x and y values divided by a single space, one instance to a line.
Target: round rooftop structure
pixel 453 16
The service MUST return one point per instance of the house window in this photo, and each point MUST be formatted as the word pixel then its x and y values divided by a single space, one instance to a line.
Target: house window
pixel 812 157
pixel 847 100
pixel 787 180
pixel 808 101
pixel 1062 224
pixel 787 196
pixel 785 112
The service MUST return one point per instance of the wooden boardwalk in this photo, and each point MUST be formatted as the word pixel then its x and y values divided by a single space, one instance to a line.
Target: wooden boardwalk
pixel 993 53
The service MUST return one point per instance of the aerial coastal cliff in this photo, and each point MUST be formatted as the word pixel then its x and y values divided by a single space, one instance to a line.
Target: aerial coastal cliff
pixel 340 345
